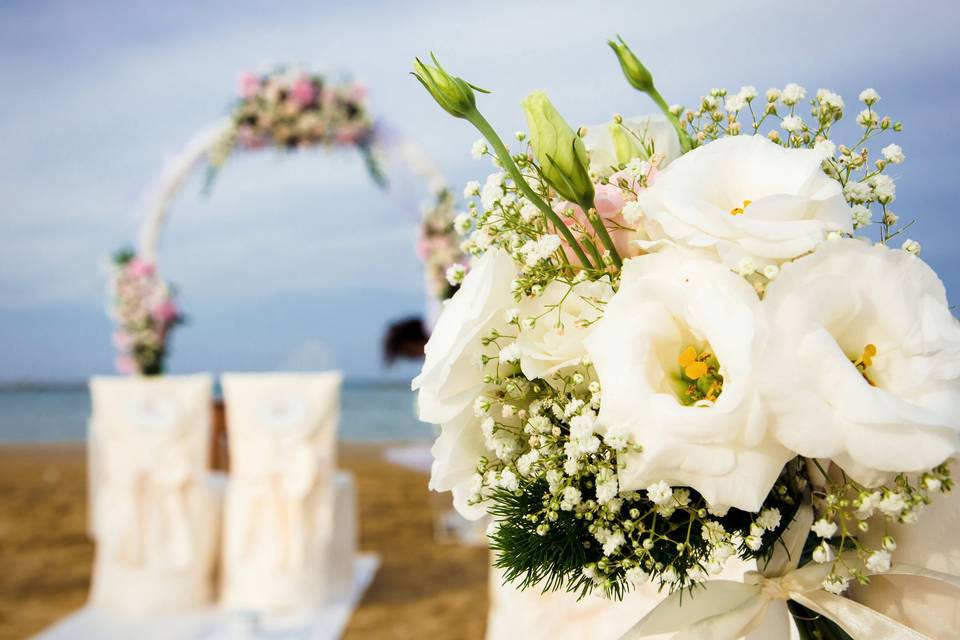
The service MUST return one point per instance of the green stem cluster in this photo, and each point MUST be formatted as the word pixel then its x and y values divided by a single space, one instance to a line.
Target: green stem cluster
pixel 475 118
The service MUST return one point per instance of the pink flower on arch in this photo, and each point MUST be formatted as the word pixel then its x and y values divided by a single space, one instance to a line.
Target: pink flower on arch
pixel 248 84
pixel 303 92
pixel 125 365
pixel 140 268
pixel 165 313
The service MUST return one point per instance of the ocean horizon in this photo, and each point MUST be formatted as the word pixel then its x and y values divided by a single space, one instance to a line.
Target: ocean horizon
pixel 41 411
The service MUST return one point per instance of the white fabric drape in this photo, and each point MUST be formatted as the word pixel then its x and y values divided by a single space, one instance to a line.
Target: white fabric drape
pixel 156 516
pixel 557 615
pixel 281 503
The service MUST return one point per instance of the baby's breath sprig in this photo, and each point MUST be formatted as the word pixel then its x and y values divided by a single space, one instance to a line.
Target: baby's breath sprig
pixel 848 509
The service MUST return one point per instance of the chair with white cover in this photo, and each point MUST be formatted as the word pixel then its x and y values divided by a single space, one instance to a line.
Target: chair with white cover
pixel 156 515
pixel 290 523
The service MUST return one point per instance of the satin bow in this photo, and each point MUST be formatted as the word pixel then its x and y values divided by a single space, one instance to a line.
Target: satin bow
pixel 143 506
pixel 757 607
pixel 273 501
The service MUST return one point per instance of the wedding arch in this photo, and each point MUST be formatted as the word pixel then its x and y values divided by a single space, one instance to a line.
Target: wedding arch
pixel 286 109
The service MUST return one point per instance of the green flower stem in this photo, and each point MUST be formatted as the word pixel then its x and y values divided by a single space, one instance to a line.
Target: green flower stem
pixel 475 118
pixel 602 232
pixel 685 142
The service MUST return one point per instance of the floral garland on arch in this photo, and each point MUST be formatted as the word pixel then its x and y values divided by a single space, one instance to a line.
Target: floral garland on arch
pixel 297 109
pixel 288 109
pixel 676 346
pixel 438 246
pixel 143 306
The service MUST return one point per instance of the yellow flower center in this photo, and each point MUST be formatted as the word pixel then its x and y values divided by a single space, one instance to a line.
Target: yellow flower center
pixel 738 211
pixel 865 361
pixel 699 376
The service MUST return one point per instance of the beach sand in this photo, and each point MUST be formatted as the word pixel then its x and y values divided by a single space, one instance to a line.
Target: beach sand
pixel 422 590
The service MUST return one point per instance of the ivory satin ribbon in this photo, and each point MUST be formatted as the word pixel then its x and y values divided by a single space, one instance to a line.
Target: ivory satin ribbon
pixel 757 607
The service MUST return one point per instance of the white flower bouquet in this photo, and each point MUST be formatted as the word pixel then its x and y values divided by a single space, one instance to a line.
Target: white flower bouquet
pixel 675 346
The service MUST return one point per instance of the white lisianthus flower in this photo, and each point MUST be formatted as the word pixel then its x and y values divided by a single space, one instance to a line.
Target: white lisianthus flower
pixel 864 361
pixel 451 380
pixel 556 340
pixel 669 304
pixel 744 196
pixel 653 129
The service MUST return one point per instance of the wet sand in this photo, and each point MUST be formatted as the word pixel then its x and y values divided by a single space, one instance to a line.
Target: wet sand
pixel 422 590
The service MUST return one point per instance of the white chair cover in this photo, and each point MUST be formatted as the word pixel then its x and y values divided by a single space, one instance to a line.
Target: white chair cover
pixel 558 615
pixel 156 516
pixel 280 508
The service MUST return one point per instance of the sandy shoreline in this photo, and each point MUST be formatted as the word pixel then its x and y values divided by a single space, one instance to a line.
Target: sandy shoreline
pixel 423 589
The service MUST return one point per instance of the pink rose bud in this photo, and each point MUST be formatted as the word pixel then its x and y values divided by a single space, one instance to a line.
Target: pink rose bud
pixel 122 340
pixel 248 84
pixel 303 92
pixel 125 365
pixel 165 312
pixel 140 268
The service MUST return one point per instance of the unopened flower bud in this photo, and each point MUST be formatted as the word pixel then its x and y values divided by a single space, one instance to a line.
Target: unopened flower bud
pixel 454 94
pixel 636 74
pixel 558 149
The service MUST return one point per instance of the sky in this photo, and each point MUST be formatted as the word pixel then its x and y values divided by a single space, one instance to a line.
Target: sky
pixel 297 260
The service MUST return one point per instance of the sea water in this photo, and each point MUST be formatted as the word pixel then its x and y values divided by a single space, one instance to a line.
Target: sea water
pixel 368 413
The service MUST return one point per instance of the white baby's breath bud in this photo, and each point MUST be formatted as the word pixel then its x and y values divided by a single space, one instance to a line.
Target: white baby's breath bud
pixel 456 273
pixel 911 246
pixel 824 528
pixel 793 124
pixel 893 154
pixel 529 212
pixel 889 543
pixel 827 147
pixel 867 118
pixel 510 353
pixel 890 218
pixel 869 96
pixel 771 271
pixel 746 266
pixel 773 94
pixel 479 149
pixel 792 94
pixel 769 519
pixel 835 584
pixel 753 542
pixel 462 223
pixel 879 561
pixel 823 553
pixel 861 216
pixel 472 189
pixel 932 484
pixel 659 493
pixel 510 315
pixel 892 505
pixel 520 136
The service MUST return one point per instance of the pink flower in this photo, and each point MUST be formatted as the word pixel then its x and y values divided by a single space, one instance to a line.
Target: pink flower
pixel 248 84
pixel 609 202
pixel 122 340
pixel 165 312
pixel 140 268
pixel 125 365
pixel 303 92
pixel 358 93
